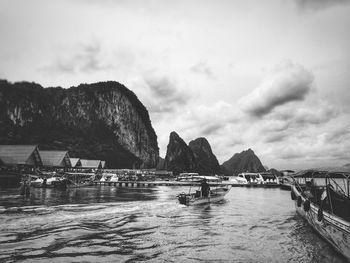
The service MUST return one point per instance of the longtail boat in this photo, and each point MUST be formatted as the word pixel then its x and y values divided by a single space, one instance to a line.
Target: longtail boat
pixel 322 198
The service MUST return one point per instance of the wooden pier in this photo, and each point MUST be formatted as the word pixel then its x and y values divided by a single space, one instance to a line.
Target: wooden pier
pixel 142 184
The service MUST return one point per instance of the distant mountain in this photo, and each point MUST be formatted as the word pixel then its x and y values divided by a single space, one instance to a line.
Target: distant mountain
pixel 245 161
pixel 275 172
pixel 102 120
pixel 179 157
pixel 206 162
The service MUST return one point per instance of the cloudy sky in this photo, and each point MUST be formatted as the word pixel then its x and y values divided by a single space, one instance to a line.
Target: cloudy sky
pixel 272 75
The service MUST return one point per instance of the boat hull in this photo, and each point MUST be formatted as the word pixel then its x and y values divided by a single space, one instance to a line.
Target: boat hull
pixel 333 229
pixel 285 186
pixel 215 196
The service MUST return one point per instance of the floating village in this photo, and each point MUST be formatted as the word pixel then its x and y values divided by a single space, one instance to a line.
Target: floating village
pixel 321 197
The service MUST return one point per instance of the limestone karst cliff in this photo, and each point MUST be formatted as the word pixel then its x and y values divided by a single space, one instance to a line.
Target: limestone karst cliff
pixel 195 157
pixel 206 162
pixel 245 161
pixel 179 157
pixel 102 120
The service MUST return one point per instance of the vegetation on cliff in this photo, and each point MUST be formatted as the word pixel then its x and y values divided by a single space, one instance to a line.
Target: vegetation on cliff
pixel 102 120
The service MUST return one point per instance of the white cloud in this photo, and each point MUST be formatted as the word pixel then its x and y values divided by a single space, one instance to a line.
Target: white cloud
pixel 319 4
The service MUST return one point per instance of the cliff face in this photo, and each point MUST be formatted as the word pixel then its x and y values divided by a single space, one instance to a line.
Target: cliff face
pixel 161 163
pixel 206 161
pixel 179 157
pixel 245 161
pixel 99 121
pixel 195 157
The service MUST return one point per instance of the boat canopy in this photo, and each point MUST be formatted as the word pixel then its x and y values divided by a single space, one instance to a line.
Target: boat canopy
pixel 268 176
pixel 208 178
pixel 321 174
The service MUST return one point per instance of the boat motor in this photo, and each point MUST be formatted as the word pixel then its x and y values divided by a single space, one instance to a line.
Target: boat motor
pixel 183 198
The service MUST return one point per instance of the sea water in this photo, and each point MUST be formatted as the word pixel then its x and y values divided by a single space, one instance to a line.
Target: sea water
pixel 121 224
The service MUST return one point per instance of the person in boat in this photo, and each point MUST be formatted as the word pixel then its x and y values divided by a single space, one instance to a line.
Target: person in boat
pixel 25 188
pixel 45 182
pixel 205 188
pixel 309 190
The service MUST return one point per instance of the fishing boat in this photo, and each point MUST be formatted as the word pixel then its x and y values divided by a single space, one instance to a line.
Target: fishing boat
pixel 68 180
pixel 286 182
pixel 322 198
pixel 215 194
pixel 269 179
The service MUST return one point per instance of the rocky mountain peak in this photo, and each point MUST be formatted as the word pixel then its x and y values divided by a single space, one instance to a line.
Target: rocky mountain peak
pixel 179 157
pixel 205 159
pixel 246 161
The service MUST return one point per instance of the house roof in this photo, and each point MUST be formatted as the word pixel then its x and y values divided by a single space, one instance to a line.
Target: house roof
pixel 20 154
pixel 90 163
pixel 75 162
pixel 103 164
pixel 55 158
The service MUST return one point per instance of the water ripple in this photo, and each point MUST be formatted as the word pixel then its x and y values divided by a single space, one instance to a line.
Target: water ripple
pixel 252 225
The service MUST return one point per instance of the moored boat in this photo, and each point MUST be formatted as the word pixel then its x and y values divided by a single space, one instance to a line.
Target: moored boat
pixel 269 179
pixel 322 198
pixel 248 178
pixel 286 183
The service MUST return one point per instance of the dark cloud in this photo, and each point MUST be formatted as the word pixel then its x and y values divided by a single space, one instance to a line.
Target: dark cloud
pixel 314 117
pixel 338 135
pixel 211 128
pixel 319 4
pixel 290 153
pixel 275 137
pixel 165 96
pixel 287 83
pixel 202 68
pixel 85 58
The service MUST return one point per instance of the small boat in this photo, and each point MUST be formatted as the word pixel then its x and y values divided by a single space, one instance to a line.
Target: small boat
pixel 269 179
pixel 216 194
pixel 323 199
pixel 248 178
pixel 286 183
pixel 51 182
pixel 68 180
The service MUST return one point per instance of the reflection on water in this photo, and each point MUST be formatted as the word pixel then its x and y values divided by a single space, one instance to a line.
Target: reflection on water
pixel 85 195
pixel 109 224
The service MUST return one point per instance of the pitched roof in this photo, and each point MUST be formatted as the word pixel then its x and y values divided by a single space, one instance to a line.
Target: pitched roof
pixel 75 162
pixel 20 154
pixel 103 164
pixel 55 158
pixel 90 163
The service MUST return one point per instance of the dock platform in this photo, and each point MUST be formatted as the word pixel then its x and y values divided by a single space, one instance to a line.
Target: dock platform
pixel 178 183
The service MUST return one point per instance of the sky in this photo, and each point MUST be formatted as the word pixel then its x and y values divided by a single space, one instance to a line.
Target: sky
pixel 273 76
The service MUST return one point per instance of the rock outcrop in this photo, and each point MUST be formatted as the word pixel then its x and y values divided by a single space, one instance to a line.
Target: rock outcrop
pixel 179 157
pixel 103 120
pixel 206 162
pixel 245 161
pixel 161 163
pixel 195 157
pixel 275 172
